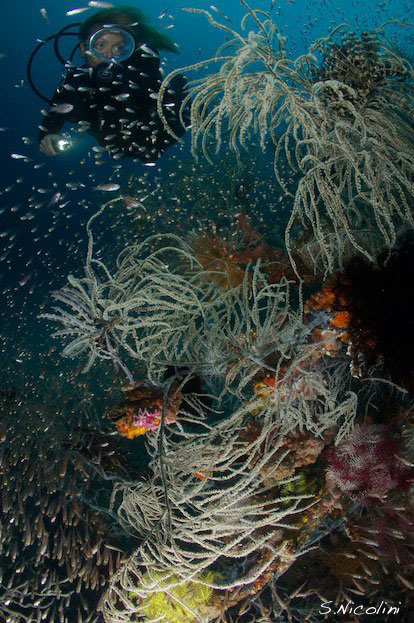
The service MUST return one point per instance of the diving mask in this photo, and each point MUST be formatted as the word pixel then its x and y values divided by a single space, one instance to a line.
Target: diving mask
pixel 111 44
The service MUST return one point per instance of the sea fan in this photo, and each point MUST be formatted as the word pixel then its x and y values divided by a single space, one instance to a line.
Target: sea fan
pixel 218 261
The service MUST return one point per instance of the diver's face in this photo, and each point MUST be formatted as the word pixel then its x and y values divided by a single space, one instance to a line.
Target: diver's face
pixel 108 45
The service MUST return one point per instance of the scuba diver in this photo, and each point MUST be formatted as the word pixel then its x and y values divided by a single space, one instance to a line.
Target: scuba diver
pixel 113 96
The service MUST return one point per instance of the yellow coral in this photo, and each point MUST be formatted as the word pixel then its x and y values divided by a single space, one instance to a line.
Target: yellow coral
pixel 126 428
pixel 186 603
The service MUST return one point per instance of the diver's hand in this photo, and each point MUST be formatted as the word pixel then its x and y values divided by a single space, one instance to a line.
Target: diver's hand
pixel 48 144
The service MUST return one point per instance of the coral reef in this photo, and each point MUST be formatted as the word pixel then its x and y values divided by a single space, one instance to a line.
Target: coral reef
pixel 273 475
pixel 345 117
pixel 225 263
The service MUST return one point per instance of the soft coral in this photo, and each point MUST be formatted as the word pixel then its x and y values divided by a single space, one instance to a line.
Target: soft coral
pixel 366 466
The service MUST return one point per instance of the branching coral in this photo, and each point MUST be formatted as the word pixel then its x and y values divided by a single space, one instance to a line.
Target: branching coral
pixel 160 309
pixel 346 119
pixel 362 98
pixel 89 322
pixel 225 499
pixel 117 311
pixel 307 398
pixel 226 518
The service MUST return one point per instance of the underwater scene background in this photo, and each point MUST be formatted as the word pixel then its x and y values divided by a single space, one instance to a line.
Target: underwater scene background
pixel 206 392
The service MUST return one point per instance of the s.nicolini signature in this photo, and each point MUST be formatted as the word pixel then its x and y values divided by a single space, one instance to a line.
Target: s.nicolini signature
pixel 351 608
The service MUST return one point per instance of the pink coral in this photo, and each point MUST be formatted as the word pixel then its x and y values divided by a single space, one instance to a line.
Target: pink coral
pixel 146 419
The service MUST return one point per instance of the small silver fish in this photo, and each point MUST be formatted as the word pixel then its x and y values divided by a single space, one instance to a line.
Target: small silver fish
pixel 148 50
pixel 107 187
pixel 23 281
pixel 163 13
pixel 54 199
pixel 214 8
pixel 130 202
pixel 76 11
pixel 100 5
pixel 62 109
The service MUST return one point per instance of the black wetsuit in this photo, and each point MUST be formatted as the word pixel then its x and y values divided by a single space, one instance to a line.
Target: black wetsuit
pixel 120 110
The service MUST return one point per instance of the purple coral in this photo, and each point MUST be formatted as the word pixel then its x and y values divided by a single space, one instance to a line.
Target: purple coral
pixel 365 466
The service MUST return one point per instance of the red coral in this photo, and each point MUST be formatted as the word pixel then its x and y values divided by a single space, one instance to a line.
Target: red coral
pixel 274 262
pixel 365 466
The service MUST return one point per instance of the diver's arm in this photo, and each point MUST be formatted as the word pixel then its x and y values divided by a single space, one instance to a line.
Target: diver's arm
pixel 49 130
pixel 48 137
pixel 49 144
pixel 52 122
